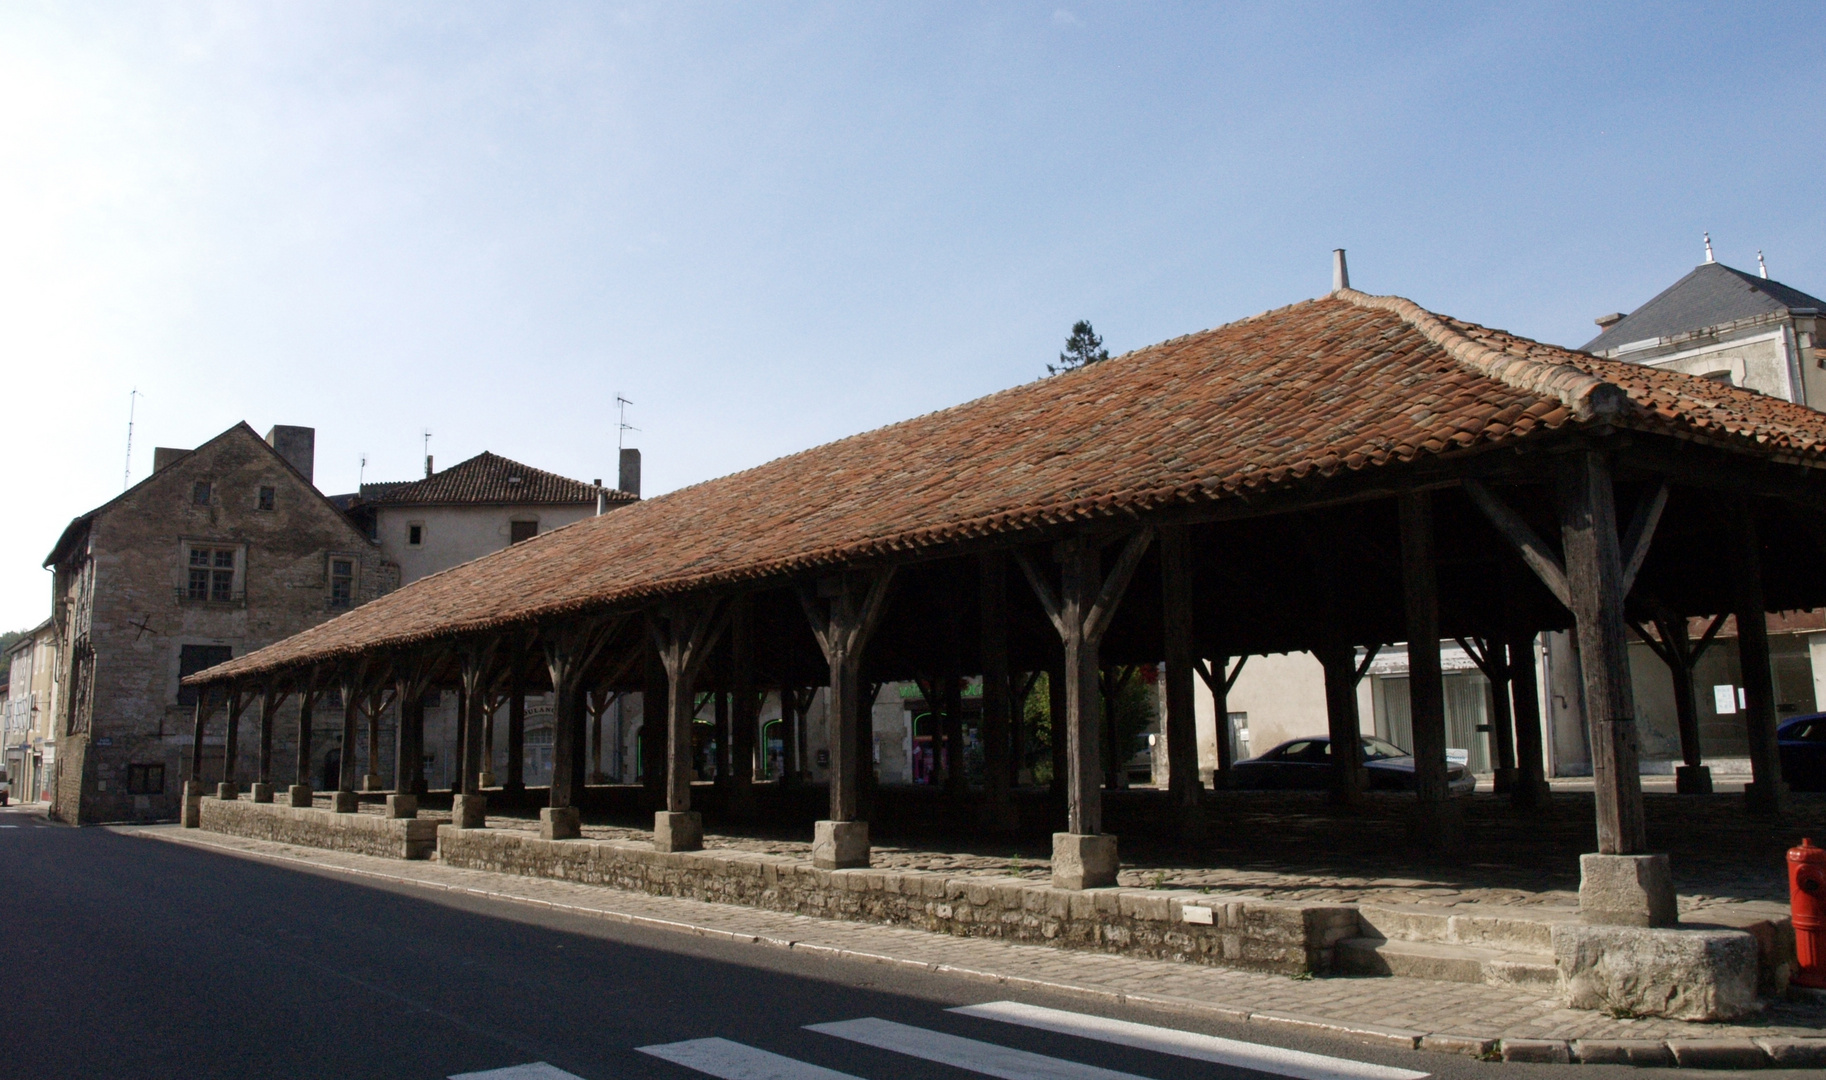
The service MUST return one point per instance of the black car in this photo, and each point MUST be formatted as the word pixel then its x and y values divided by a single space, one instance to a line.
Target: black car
pixel 1802 743
pixel 1305 764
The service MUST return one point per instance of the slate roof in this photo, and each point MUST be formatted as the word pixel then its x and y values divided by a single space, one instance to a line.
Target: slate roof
pixel 1712 295
pixel 487 479
pixel 1343 383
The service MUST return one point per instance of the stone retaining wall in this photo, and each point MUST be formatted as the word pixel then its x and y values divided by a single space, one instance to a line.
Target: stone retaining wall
pixel 362 834
pixel 1292 939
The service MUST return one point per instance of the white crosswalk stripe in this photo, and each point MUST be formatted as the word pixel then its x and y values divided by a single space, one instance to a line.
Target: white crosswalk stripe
pixel 986 1058
pixel 1188 1044
pixel 537 1070
pixel 736 1061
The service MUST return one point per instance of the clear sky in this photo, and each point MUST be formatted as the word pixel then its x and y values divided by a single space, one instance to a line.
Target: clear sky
pixel 770 225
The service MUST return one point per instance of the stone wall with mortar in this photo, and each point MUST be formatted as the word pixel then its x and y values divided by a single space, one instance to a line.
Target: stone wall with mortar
pixel 1292 939
pixel 362 834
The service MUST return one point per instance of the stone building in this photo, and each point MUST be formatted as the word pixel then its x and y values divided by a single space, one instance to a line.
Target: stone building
pixel 31 704
pixel 222 550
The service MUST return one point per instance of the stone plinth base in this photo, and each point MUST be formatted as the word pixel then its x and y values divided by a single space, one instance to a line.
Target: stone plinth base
pixel 1702 975
pixel 487 779
pixel 1184 926
pixel 1083 862
pixel 840 845
pixel 402 807
pixel 298 795
pixel 469 811
pixel 365 834
pixel 228 792
pixel 193 802
pixel 261 792
pixel 372 782
pixel 345 802
pixel 678 832
pixel 1692 780
pixel 560 823
pixel 1626 890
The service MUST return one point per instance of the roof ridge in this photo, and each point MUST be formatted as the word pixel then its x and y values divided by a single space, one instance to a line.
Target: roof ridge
pixel 1587 395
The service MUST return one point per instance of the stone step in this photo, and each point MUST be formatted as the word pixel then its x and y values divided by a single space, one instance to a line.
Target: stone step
pixel 1511 929
pixel 1445 962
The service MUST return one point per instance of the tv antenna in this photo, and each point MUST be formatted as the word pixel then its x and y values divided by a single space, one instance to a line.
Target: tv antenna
pixel 361 473
pixel 621 421
pixel 126 472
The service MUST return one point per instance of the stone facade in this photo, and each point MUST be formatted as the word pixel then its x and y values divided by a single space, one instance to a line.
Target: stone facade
pixel 1260 935
pixel 360 834
pixel 227 548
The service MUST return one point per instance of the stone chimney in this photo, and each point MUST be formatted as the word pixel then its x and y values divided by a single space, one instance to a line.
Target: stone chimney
pixel 427 465
pixel 165 455
pixel 1605 322
pixel 1340 272
pixel 630 472
pixel 297 445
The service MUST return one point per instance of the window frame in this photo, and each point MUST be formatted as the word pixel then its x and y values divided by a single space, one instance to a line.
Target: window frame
pixel 514 523
pixel 415 534
pixel 236 567
pixel 266 498
pixel 140 774
pixel 330 578
pixel 204 488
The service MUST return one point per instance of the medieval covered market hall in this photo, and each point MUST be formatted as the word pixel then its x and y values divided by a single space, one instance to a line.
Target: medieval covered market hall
pixel 1333 476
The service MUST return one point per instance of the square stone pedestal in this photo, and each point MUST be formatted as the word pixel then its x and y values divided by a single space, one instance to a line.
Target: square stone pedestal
pixel 345 802
pixel 298 795
pixel 469 811
pixel 560 823
pixel 1626 890
pixel 840 845
pixel 228 792
pixel 261 792
pixel 678 832
pixel 487 779
pixel 403 806
pixel 1692 780
pixel 191 815
pixel 1083 862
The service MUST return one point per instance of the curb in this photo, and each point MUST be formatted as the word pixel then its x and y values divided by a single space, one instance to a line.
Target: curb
pixel 1738 1053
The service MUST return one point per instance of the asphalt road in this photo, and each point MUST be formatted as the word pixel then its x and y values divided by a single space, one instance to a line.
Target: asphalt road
pixel 124 957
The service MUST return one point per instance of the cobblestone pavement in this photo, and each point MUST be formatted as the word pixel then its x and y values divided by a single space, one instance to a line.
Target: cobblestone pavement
pixel 1292 846
pixel 1397 1009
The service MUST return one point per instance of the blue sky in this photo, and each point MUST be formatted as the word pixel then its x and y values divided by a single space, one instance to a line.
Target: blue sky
pixel 771 225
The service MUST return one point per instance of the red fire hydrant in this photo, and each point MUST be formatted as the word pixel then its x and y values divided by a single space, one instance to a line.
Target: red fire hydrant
pixel 1807 903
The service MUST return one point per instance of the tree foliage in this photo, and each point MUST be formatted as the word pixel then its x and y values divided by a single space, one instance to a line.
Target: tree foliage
pixel 1081 348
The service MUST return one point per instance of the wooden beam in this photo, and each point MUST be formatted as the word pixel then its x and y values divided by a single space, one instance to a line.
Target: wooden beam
pixel 1764 795
pixel 1426 691
pixel 843 612
pixel 685 632
pixel 1177 630
pixel 1527 543
pixel 1641 534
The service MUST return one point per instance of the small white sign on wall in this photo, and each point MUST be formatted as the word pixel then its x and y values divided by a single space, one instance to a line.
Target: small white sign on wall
pixel 1724 699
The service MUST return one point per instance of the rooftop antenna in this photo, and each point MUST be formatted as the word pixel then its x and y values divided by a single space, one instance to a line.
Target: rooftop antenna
pixel 427 437
pixel 1760 264
pixel 126 472
pixel 621 421
pixel 361 474
pixel 1709 257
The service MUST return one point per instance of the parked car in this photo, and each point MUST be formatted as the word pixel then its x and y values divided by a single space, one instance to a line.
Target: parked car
pixel 1801 740
pixel 1305 764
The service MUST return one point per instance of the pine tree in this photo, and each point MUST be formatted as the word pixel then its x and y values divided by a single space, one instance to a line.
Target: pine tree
pixel 1083 347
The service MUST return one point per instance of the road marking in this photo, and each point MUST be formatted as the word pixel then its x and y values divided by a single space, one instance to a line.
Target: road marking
pixel 536 1070
pixel 1188 1044
pixel 986 1058
pixel 735 1061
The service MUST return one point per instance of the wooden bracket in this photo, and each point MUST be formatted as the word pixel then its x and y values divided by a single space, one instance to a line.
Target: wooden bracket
pixel 1527 543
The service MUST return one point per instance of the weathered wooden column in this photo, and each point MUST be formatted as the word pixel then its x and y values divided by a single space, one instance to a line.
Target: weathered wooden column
pixel 344 801
pixel 1343 722
pixel 569 651
pixel 1218 678
pixel 459 782
pixel 193 787
pixel 411 713
pixel 1436 824
pixel 371 781
pixel 228 790
pixel 272 694
pixel 1083 856
pixel 1621 883
pixel 745 711
pixel 685 633
pixel 1675 647
pixel 1764 794
pixel 516 727
pixel 1060 747
pixel 299 794
pixel 843 610
pixel 488 739
pixel 654 710
pixel 476 671
pixel 1182 724
pixel 951 680
pixel 997 719
pixel 1530 788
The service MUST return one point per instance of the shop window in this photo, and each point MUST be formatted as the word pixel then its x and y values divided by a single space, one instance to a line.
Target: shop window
pixel 145 779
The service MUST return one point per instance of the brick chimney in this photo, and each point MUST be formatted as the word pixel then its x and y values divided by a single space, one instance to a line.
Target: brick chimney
pixel 165 455
pixel 630 472
pixel 297 445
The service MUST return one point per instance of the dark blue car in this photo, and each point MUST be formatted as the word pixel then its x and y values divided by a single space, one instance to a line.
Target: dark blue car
pixel 1305 764
pixel 1802 742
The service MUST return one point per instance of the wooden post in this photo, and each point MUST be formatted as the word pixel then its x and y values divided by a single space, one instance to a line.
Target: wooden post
pixel 745 714
pixel 1530 788
pixel 488 739
pixel 1218 680
pixel 371 779
pixel 231 743
pixel 1594 578
pixel 654 710
pixel 270 697
pixel 951 687
pixel 307 704
pixel 569 651
pixel 1061 739
pixel 203 708
pixel 685 633
pixel 1677 650
pixel 411 716
pixel 1426 692
pixel 1765 793
pixel 516 728
pixel 351 719
pixel 1182 726
pixel 459 782
pixel 1502 720
pixel 997 719
pixel 1344 724
pixel 1081 611
pixel 843 611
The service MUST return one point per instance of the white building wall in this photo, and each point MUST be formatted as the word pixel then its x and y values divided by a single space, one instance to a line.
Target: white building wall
pixel 453 535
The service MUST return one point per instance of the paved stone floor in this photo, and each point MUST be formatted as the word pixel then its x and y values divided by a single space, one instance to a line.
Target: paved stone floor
pixel 1293 846
pixel 1395 1008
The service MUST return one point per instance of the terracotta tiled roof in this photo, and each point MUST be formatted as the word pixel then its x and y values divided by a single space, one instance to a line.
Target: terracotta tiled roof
pixel 1345 382
pixel 487 478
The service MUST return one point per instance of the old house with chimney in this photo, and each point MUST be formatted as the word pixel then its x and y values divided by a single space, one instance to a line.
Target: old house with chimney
pixel 222 550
